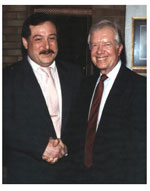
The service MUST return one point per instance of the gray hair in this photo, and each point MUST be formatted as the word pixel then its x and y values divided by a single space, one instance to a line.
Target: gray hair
pixel 105 23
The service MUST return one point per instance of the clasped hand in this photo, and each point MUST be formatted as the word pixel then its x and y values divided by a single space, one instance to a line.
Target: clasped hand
pixel 55 150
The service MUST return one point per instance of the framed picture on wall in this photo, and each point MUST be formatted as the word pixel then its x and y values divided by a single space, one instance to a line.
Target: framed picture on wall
pixel 139 43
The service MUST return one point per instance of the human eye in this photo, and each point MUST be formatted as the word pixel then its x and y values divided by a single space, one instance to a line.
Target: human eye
pixel 52 38
pixel 108 44
pixel 38 38
pixel 93 45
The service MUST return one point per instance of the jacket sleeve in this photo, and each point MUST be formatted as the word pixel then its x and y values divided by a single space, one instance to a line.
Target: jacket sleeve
pixel 20 134
pixel 137 143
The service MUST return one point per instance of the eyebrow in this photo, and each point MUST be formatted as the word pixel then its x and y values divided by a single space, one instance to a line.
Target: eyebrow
pixel 39 35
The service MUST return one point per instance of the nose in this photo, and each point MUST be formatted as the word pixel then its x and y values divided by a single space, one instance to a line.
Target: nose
pixel 47 44
pixel 100 49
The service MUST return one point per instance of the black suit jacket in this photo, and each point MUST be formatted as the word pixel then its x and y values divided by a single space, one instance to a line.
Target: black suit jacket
pixel 119 154
pixel 28 126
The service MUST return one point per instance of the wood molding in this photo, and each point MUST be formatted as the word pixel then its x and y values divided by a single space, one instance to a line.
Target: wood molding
pixel 65 11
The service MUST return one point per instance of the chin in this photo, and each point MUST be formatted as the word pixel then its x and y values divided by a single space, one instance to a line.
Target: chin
pixel 45 64
pixel 47 61
pixel 100 66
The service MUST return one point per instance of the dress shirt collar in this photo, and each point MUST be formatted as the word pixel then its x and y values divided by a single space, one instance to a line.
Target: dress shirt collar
pixel 35 66
pixel 114 72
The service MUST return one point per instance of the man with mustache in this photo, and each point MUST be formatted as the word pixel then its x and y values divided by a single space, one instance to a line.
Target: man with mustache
pixel 38 94
pixel 112 115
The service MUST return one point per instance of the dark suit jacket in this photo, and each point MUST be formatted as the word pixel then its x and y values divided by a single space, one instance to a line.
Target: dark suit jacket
pixel 28 126
pixel 119 154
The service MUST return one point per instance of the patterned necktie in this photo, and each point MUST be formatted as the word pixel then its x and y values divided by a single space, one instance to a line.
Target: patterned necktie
pixel 52 99
pixel 92 123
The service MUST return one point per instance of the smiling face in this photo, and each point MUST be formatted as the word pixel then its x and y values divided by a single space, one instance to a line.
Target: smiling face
pixel 42 45
pixel 105 51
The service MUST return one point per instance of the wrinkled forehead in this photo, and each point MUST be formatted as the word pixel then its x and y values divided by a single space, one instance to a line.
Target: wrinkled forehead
pixel 104 33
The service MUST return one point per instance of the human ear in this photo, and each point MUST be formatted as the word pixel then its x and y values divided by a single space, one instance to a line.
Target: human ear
pixel 25 43
pixel 120 49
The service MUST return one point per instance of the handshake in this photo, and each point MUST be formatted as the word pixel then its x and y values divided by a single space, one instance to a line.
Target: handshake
pixel 55 150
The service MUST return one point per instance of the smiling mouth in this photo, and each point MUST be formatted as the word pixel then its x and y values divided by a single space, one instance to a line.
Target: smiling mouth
pixel 103 58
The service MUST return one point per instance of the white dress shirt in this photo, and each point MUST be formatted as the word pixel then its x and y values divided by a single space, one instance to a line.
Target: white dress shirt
pixel 55 75
pixel 108 83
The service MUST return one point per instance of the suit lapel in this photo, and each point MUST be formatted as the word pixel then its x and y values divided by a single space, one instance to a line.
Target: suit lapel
pixel 88 92
pixel 35 95
pixel 65 83
pixel 115 100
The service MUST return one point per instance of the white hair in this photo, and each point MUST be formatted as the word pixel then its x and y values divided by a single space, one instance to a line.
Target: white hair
pixel 103 24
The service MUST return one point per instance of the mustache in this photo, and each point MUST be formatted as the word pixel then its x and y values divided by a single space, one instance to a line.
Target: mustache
pixel 47 51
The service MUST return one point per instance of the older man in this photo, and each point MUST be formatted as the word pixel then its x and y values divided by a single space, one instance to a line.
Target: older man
pixel 112 116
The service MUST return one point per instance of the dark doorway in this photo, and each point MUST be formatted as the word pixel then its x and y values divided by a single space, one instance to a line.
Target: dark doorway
pixel 73 24
pixel 73 46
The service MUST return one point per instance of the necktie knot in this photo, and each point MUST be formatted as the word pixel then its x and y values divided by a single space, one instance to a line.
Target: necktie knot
pixel 103 77
pixel 46 70
pixel 46 74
